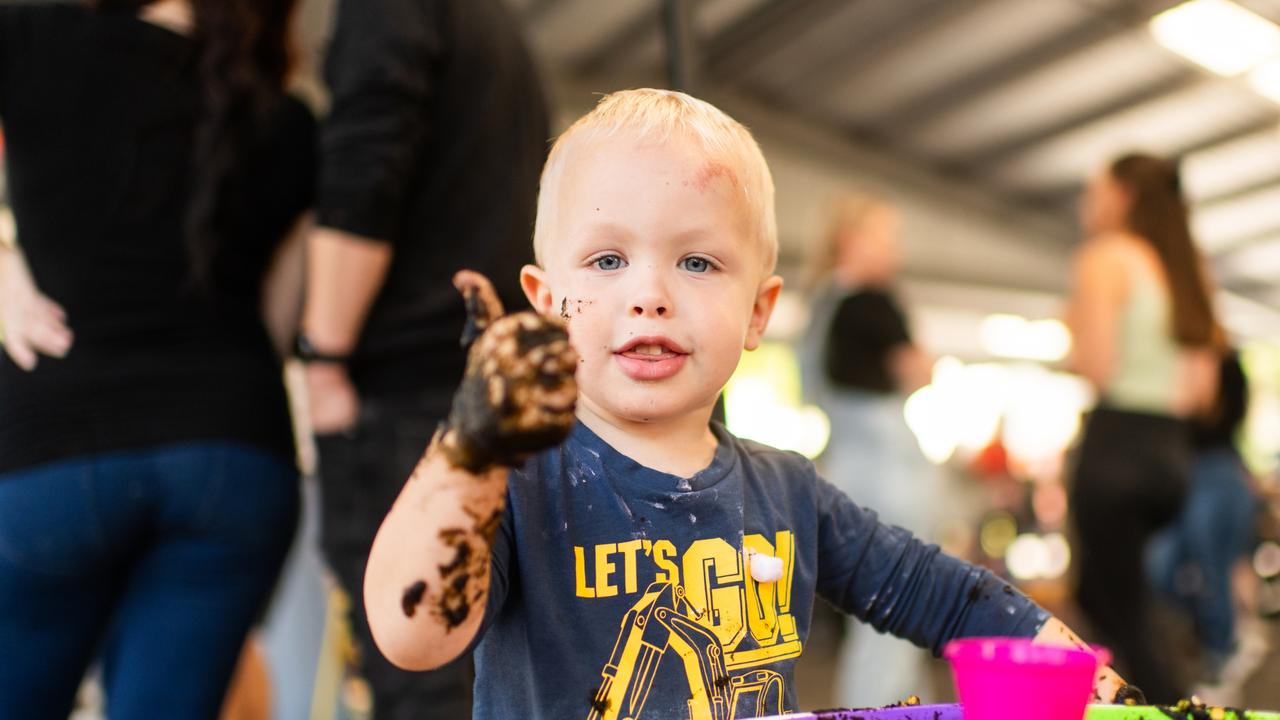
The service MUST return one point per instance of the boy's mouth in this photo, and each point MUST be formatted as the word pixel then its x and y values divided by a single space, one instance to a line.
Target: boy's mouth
pixel 650 358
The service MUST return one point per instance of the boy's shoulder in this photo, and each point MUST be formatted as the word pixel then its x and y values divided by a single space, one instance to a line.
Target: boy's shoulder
pixel 759 453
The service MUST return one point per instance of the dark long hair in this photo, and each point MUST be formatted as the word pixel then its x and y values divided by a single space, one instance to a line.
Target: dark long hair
pixel 1158 214
pixel 244 56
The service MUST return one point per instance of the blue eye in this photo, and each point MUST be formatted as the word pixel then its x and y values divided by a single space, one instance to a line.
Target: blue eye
pixel 609 262
pixel 696 264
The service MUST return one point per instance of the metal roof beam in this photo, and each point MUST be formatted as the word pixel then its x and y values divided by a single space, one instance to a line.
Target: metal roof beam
pixel 902 28
pixel 1104 25
pixel 752 40
pixel 1010 147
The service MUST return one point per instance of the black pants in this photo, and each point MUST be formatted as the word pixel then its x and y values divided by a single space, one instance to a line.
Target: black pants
pixel 1131 479
pixel 361 473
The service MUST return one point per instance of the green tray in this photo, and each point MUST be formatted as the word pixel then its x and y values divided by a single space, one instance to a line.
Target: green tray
pixel 1147 712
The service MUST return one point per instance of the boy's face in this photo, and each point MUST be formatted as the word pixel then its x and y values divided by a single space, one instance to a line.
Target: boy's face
pixel 654 264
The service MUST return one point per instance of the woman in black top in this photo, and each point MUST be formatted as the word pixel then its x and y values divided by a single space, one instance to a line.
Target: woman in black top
pixel 147 488
pixel 860 363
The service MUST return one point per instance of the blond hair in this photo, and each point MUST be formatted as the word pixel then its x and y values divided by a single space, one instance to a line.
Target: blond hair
pixel 846 212
pixel 665 116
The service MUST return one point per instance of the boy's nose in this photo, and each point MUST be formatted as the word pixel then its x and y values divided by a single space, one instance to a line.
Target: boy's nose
pixel 654 308
pixel 651 296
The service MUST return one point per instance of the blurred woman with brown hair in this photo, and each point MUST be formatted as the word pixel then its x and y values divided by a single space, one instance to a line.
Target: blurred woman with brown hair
pixel 148 493
pixel 1147 340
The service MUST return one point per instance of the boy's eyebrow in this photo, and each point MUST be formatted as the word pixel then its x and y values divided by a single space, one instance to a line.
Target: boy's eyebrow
pixel 603 230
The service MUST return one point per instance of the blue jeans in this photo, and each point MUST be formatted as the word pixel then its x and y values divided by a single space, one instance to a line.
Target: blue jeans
pixel 155 561
pixel 1191 560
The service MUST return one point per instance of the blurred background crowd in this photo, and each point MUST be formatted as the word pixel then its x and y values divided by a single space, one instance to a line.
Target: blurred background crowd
pixel 1031 311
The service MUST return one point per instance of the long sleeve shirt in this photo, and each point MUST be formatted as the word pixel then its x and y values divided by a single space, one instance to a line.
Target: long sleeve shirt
pixel 434 144
pixel 618 589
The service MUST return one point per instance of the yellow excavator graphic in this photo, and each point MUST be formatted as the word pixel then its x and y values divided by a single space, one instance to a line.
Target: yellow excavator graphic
pixel 663 620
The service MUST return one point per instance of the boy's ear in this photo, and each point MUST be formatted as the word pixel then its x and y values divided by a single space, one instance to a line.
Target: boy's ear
pixel 766 299
pixel 533 280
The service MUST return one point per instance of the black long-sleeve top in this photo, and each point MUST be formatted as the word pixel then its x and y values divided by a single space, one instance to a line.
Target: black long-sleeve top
pixel 99 113
pixel 866 328
pixel 434 143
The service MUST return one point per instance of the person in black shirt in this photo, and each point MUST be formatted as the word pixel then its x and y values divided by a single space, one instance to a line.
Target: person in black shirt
pixel 859 364
pixel 431 156
pixel 148 493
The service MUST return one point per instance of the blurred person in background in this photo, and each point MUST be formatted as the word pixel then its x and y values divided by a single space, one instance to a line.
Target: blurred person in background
pixel 859 363
pixel 430 163
pixel 1193 560
pixel 148 493
pixel 1145 337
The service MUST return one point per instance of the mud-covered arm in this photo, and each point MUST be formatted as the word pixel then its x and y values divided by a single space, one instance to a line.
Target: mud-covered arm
pixel 427 582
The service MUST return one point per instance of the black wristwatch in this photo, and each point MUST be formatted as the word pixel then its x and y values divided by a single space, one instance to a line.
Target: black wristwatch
pixel 305 351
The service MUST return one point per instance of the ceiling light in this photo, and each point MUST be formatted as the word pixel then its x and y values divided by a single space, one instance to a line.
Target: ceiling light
pixel 1218 35
pixel 1013 336
pixel 1266 79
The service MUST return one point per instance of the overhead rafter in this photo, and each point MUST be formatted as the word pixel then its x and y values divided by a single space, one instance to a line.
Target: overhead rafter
pixel 1241 193
pixel 683 66
pixel 1244 129
pixel 1007 148
pixel 536 9
pixel 1243 241
pixel 620 47
pixel 752 40
pixel 908 22
pixel 1053 194
pixel 1105 24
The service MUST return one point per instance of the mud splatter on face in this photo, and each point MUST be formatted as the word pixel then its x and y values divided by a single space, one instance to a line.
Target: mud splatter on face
pixel 413 597
pixel 570 308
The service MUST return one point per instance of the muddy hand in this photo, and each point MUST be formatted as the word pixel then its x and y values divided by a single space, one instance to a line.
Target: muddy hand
pixel 518 394
pixel 483 305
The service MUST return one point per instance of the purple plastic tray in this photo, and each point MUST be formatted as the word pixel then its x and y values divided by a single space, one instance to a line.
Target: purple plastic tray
pixel 917 712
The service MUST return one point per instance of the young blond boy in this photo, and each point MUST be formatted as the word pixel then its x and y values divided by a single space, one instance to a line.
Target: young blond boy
pixel 651 564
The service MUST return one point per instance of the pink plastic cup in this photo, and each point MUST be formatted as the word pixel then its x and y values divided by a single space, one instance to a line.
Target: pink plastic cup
pixel 1002 678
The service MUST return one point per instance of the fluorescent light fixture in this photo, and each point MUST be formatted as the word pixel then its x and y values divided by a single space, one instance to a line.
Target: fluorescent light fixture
pixel 1012 336
pixel 1218 35
pixel 1265 79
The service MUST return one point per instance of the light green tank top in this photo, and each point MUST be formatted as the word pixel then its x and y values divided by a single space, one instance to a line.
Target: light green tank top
pixel 1147 363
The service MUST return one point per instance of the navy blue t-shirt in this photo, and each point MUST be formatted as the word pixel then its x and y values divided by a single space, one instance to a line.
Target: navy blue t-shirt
pixel 622 591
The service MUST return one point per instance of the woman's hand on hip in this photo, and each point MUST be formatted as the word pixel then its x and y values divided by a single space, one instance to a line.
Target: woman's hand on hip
pixel 30 323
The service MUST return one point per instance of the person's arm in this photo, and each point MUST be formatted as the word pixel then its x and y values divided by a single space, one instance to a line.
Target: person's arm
pixel 911 367
pixel 379 71
pixel 427 581
pixel 900 585
pixel 1108 686
pixel 344 273
pixel 30 323
pixel 1097 293
pixel 283 284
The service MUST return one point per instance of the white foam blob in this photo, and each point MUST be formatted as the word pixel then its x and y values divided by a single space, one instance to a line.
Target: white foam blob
pixel 766 568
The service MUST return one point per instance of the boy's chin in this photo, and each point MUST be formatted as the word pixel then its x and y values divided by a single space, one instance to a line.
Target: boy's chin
pixel 658 408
